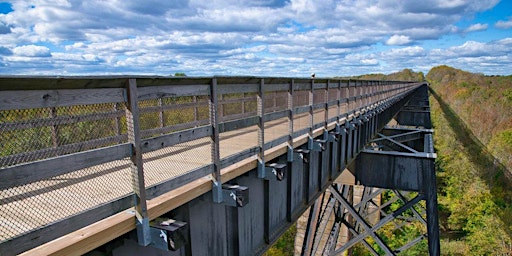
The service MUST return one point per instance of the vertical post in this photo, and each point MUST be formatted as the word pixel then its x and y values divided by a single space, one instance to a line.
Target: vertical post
pixel 194 99
pixel 117 122
pixel 432 215
pixel 309 236
pixel 338 111
pixel 289 154
pixel 243 104
pixel 220 106
pixel 55 129
pixel 290 121
pixel 326 108
pixel 214 140
pixel 261 130
pixel 161 113
pixel 136 166
pixel 311 113
pixel 429 174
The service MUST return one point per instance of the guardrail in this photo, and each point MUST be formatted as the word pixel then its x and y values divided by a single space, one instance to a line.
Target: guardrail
pixel 76 150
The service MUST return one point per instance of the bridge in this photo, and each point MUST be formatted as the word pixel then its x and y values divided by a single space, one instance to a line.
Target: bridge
pixel 208 165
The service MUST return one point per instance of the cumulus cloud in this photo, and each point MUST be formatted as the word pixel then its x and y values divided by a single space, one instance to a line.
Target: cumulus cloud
pixel 476 27
pixel 504 24
pixel 32 51
pixel 262 37
pixel 398 40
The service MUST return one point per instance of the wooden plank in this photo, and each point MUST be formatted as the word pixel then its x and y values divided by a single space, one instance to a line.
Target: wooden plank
pixel 237 116
pixel 27 99
pixel 275 87
pixel 275 115
pixel 302 85
pixel 319 85
pixel 157 81
pixel 173 128
pixel 237 100
pixel 172 139
pixel 86 239
pixel 237 88
pixel 26 173
pixel 12 83
pixel 233 159
pixel 178 181
pixel 300 110
pixel 238 124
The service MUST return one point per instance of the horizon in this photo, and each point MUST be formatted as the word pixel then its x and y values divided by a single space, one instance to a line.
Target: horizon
pixel 277 38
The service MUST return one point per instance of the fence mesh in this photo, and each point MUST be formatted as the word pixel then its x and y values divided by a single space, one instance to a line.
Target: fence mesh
pixel 237 106
pixel 319 97
pixel 276 102
pixel 301 120
pixel 164 116
pixel 28 135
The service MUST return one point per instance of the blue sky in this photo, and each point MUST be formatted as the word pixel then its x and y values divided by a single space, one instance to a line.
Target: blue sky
pixel 259 37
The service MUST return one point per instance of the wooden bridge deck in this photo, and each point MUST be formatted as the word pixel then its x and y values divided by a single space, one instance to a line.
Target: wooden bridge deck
pixel 42 203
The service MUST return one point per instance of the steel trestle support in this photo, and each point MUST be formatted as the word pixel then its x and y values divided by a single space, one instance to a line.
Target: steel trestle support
pixel 393 189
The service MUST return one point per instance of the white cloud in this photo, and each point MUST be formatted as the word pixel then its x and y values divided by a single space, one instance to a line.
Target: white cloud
pixel 370 62
pixel 398 40
pixel 476 27
pixel 504 24
pixel 32 51
pixel 411 51
pixel 264 37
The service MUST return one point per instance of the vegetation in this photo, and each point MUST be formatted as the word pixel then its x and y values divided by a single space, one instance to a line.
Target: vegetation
pixel 285 244
pixel 472 118
pixel 404 75
pixel 484 103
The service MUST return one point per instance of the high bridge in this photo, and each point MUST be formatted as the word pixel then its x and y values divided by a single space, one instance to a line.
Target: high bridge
pixel 211 165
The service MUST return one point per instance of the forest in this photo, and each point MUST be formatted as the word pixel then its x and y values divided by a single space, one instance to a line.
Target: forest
pixel 472 117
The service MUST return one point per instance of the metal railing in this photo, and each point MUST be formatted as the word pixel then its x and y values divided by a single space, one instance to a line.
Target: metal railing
pixel 75 150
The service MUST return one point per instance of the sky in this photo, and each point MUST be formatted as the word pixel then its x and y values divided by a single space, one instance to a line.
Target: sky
pixel 290 38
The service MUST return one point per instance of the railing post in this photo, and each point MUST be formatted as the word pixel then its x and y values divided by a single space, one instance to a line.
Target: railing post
pixel 55 129
pixel 117 123
pixel 161 113
pixel 326 107
pixel 137 170
pixel 311 113
pixel 338 98
pixel 260 109
pixel 215 140
pixel 290 121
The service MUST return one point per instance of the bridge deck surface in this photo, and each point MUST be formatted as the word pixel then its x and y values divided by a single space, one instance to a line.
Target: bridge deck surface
pixel 41 203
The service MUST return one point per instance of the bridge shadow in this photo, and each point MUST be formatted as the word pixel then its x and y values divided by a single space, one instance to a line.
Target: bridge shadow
pixel 494 173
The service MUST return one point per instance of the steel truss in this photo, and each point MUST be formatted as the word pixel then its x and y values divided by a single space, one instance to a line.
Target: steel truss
pixel 396 190
pixel 344 223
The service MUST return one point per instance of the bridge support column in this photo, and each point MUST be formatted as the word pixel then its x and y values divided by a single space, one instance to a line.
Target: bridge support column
pixel 399 163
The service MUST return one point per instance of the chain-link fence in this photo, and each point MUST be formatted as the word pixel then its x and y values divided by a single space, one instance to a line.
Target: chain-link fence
pixel 44 193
